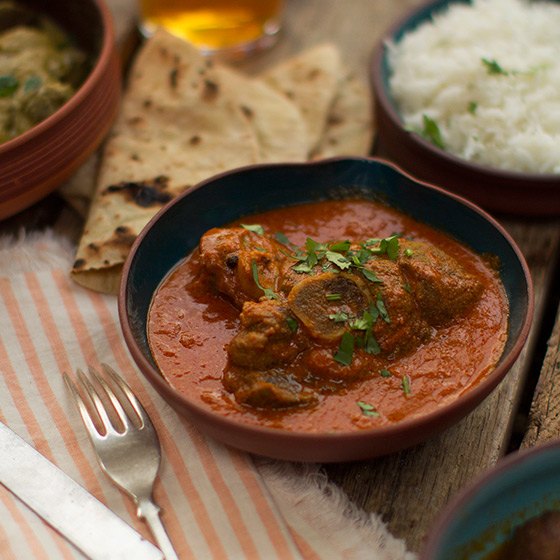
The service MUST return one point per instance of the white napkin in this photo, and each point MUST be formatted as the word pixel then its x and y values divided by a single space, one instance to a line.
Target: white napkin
pixel 218 503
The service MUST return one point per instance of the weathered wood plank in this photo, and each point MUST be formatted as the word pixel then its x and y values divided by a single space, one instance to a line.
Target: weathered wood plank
pixel 544 417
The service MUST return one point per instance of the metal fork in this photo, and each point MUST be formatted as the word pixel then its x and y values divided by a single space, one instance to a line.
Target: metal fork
pixel 129 453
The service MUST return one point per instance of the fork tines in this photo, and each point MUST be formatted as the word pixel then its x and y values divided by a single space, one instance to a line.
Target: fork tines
pixel 93 396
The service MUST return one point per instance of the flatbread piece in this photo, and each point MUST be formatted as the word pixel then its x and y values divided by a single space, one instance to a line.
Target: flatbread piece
pixel 176 128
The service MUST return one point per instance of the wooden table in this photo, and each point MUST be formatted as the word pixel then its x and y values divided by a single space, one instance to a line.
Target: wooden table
pixel 409 488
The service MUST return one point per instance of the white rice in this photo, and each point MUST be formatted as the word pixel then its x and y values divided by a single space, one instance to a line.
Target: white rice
pixel 508 121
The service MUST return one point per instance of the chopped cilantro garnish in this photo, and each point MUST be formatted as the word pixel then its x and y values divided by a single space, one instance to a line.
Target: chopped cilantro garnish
pixel 339 317
pixel 472 107
pixel 33 83
pixel 255 228
pixel 431 132
pixel 292 323
pixel 303 267
pixel 370 275
pixel 408 252
pixel 267 292
pixel 406 384
pixel 280 237
pixel 388 246
pixel 381 308
pixel 385 373
pixel 341 247
pixel 8 84
pixel 365 323
pixel 371 346
pixel 338 259
pixel 494 68
pixel 346 349
pixel 367 409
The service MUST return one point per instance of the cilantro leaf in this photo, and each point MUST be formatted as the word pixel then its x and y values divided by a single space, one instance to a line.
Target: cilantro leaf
pixel 33 83
pixel 405 384
pixel 431 132
pixel 339 317
pixel 279 236
pixel 494 68
pixel 255 228
pixel 382 309
pixel 267 292
pixel 346 349
pixel 8 84
pixel 338 259
pixel 367 409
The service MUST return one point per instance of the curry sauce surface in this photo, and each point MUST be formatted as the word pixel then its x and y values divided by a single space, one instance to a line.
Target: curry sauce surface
pixel 190 326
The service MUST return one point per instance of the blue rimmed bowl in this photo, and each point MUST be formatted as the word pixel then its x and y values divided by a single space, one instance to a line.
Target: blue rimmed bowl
pixel 178 227
pixel 487 512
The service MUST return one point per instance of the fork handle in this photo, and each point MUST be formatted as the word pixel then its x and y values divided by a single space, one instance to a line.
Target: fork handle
pixel 149 511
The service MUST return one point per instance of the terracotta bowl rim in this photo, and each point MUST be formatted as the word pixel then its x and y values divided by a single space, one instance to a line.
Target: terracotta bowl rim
pixel 383 98
pixel 469 400
pixel 83 92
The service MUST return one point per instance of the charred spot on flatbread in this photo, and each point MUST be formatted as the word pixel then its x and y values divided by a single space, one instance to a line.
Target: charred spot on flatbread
pixel 173 81
pixel 120 241
pixel 210 91
pixel 143 193
pixel 247 111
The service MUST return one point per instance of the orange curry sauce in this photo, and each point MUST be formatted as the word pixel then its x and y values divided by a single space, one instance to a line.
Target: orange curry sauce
pixel 189 327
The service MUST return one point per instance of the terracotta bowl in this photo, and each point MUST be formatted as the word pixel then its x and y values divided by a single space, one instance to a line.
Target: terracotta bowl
pixel 35 163
pixel 177 228
pixel 486 513
pixel 494 189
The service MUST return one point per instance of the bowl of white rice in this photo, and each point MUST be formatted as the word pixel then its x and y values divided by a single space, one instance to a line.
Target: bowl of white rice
pixel 467 96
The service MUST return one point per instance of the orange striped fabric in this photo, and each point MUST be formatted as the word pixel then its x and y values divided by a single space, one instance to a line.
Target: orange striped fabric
pixel 216 505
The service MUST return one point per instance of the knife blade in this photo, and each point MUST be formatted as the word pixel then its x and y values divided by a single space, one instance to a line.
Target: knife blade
pixel 78 516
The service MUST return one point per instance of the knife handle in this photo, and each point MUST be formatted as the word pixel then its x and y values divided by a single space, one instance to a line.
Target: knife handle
pixel 149 511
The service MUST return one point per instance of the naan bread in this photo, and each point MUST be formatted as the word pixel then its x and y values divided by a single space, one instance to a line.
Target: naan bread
pixel 349 127
pixel 176 127
pixel 278 124
pixel 312 82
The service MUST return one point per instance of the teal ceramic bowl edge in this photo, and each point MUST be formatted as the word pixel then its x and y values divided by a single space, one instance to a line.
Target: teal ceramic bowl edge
pixel 485 514
pixel 177 228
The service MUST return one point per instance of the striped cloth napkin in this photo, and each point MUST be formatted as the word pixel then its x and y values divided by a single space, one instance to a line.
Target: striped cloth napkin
pixel 218 503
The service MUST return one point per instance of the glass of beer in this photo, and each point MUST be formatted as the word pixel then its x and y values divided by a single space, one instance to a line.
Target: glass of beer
pixel 234 27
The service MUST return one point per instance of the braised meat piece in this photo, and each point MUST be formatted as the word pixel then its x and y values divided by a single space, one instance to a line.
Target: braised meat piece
pixel 400 327
pixel 442 288
pixel 235 257
pixel 266 389
pixel 266 337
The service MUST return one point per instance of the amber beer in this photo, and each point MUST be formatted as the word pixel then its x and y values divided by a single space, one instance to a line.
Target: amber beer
pixel 216 25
